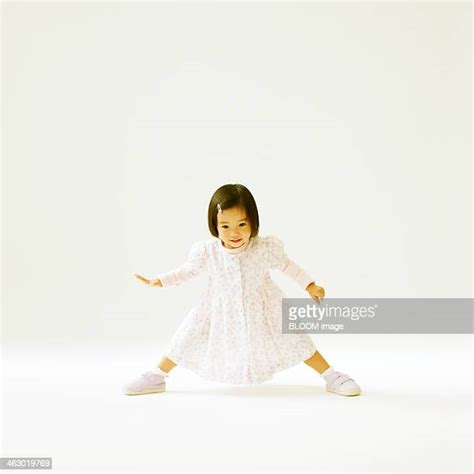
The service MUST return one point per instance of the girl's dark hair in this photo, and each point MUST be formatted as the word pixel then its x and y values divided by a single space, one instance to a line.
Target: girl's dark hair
pixel 233 195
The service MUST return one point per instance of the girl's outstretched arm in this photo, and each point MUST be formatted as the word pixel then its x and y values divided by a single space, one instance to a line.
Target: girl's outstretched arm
pixel 298 274
pixel 316 292
pixel 280 261
pixel 196 264
pixel 152 282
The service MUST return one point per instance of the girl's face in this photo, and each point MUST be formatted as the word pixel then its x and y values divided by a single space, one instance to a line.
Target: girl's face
pixel 233 227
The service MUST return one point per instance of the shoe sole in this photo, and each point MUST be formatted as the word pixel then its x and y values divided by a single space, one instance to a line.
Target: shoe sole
pixel 145 392
pixel 339 392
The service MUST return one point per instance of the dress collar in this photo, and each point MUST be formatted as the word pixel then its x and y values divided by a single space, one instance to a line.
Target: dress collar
pixel 234 251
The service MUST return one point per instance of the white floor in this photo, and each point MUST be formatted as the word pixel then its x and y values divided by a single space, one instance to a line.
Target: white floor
pixel 414 415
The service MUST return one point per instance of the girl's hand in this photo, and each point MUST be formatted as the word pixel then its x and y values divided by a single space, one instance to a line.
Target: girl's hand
pixel 316 292
pixel 155 282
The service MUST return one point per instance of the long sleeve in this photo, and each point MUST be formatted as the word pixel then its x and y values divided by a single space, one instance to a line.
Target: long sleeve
pixel 196 264
pixel 279 260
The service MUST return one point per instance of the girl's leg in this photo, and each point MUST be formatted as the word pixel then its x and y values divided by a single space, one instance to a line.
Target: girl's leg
pixel 166 364
pixel 317 362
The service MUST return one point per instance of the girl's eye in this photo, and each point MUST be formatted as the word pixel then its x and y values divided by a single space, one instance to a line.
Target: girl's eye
pixel 224 226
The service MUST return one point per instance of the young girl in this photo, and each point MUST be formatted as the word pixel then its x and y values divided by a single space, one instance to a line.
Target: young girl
pixel 234 335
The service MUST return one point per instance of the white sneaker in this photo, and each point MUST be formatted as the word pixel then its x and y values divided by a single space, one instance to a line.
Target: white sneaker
pixel 340 383
pixel 148 382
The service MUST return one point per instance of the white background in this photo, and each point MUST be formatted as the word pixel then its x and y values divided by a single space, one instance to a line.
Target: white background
pixel 351 125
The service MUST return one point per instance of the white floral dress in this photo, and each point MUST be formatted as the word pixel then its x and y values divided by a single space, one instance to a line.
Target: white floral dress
pixel 234 334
